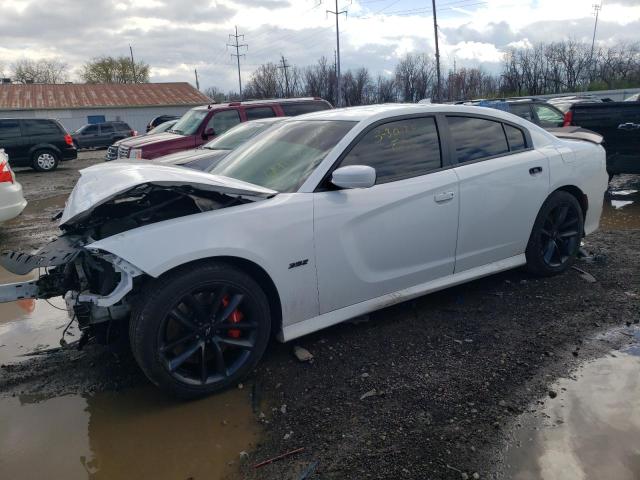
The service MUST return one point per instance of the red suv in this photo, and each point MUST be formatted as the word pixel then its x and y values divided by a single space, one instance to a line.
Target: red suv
pixel 201 124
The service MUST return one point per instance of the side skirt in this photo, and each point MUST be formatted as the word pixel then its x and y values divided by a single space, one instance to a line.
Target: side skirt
pixel 337 316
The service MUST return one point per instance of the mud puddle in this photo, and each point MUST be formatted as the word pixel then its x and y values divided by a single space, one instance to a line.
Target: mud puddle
pixel 138 433
pixel 622 206
pixel 29 325
pixel 590 430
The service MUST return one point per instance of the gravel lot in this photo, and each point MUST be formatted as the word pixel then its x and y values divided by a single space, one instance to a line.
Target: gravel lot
pixel 428 389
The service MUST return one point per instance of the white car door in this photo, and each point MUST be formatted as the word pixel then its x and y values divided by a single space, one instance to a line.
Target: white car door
pixel 503 183
pixel 400 232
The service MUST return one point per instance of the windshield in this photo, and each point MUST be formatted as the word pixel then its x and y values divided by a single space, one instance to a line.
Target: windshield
pixel 189 122
pixel 236 136
pixel 162 127
pixel 284 156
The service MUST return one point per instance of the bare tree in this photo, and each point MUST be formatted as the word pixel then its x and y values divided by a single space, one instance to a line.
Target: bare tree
pixel 415 77
pixel 215 94
pixel 115 70
pixel 385 90
pixel 40 71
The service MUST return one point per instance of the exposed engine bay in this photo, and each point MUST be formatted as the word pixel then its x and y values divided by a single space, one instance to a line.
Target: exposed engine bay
pixel 98 287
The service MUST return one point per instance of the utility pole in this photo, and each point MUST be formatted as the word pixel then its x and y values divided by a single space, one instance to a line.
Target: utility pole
pixel 596 10
pixel 197 82
pixel 237 46
pixel 133 65
pixel 285 66
pixel 337 13
pixel 435 32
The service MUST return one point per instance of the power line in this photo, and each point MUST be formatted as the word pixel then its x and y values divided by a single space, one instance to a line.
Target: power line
pixel 337 13
pixel 284 67
pixel 238 46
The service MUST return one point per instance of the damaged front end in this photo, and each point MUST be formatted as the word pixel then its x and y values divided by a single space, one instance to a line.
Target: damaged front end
pixel 97 286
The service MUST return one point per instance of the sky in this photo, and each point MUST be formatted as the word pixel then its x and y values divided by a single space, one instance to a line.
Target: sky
pixel 177 36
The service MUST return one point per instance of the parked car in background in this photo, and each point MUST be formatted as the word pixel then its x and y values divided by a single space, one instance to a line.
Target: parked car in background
pixel 201 124
pixel 159 120
pixel 536 111
pixel 101 135
pixel 112 151
pixel 564 103
pixel 38 143
pixel 320 219
pixel 210 154
pixel 12 201
pixel 619 124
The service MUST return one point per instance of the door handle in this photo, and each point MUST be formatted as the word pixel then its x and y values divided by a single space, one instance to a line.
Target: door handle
pixel 535 170
pixel 628 126
pixel 443 196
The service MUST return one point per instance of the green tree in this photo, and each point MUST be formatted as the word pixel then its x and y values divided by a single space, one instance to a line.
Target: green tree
pixel 109 69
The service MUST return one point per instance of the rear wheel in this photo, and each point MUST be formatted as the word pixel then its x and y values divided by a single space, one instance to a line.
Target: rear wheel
pixel 555 237
pixel 200 330
pixel 45 160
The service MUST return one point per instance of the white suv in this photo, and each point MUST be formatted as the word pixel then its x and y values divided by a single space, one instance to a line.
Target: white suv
pixel 319 219
pixel 12 201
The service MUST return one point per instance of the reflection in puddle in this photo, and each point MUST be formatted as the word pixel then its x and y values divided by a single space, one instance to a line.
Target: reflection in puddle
pixel 622 206
pixel 589 431
pixel 27 325
pixel 137 433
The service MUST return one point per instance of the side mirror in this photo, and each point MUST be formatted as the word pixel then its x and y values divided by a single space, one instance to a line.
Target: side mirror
pixel 209 132
pixel 354 176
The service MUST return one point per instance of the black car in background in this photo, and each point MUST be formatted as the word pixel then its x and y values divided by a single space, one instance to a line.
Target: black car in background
pixel 101 135
pixel 38 143
pixel 160 119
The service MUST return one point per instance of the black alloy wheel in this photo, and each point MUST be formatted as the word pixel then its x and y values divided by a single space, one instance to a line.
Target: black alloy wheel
pixel 200 328
pixel 555 237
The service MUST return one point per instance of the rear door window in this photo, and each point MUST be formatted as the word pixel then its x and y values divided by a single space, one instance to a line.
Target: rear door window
pixel 477 138
pixel 259 112
pixel 548 116
pixel 9 129
pixel 90 130
pixel 397 150
pixel 515 137
pixel 223 121
pixel 106 129
pixel 522 110
pixel 40 127
pixel 293 109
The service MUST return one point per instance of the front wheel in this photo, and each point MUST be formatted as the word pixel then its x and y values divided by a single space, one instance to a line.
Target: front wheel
pixel 555 237
pixel 201 329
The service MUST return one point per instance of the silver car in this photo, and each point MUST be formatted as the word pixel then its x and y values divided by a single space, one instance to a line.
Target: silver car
pixel 12 201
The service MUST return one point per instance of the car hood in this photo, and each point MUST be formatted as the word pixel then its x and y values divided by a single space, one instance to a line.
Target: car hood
pixel 103 182
pixel 140 141
pixel 180 158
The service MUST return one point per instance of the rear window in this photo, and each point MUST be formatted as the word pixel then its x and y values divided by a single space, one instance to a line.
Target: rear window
pixel 477 138
pixel 41 127
pixel 107 129
pixel 521 110
pixel 293 109
pixel 121 126
pixel 9 129
pixel 516 139
pixel 259 112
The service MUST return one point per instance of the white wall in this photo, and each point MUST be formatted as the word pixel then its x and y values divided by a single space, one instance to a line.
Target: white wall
pixel 137 118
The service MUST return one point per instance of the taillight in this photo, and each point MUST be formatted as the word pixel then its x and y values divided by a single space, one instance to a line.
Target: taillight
pixel 134 133
pixel 68 140
pixel 568 118
pixel 5 173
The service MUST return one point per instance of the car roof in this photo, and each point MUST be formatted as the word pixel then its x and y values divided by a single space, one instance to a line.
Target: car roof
pixel 251 103
pixel 376 112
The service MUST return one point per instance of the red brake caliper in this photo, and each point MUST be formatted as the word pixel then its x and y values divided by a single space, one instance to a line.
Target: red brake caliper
pixel 235 317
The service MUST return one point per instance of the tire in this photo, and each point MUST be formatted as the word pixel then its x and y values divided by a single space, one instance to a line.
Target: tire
pixel 555 237
pixel 44 160
pixel 173 334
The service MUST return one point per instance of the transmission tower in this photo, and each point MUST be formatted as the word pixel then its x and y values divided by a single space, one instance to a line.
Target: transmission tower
pixel 236 38
pixel 337 13
pixel 284 67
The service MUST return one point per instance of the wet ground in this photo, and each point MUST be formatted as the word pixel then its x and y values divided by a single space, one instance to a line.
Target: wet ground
pixel 590 430
pixel 434 388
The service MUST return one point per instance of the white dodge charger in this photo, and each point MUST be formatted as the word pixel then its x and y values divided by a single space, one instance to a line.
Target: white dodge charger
pixel 322 218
